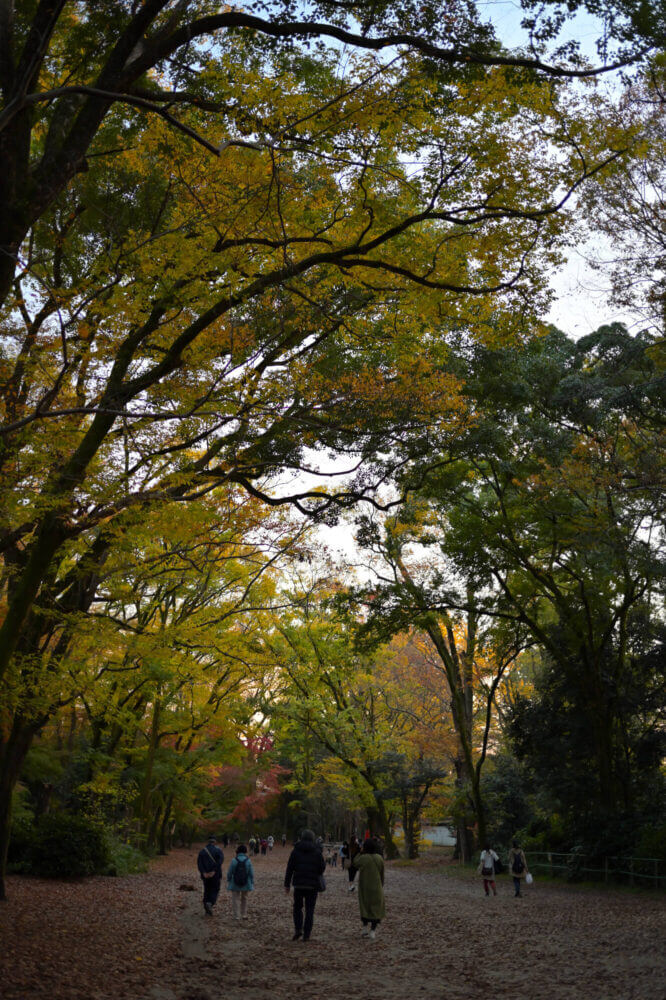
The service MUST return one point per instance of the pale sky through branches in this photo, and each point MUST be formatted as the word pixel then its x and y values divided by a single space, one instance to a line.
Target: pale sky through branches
pixel 582 301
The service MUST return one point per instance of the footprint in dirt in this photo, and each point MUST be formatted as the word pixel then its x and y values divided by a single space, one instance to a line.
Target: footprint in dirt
pixel 194 927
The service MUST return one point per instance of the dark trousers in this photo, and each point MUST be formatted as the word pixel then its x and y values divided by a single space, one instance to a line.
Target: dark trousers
pixel 309 898
pixel 516 885
pixel 211 890
pixel 352 872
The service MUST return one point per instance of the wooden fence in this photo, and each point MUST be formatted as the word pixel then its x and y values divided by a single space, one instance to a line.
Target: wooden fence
pixel 575 866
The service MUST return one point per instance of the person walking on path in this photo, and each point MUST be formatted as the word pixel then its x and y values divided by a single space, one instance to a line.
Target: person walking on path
pixel 240 882
pixel 487 869
pixel 517 866
pixel 370 865
pixel 209 863
pixel 305 867
pixel 354 849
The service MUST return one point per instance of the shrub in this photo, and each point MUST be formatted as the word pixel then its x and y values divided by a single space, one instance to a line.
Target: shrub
pixel 20 844
pixel 652 842
pixel 123 858
pixel 545 833
pixel 68 845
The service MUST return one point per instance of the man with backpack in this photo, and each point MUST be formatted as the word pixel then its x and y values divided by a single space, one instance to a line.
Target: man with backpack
pixel 209 863
pixel 240 881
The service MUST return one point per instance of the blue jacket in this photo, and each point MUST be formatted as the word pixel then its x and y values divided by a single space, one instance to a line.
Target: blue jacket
pixel 210 860
pixel 249 885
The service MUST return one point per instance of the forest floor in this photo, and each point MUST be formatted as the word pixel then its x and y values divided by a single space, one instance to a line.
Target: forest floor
pixel 145 937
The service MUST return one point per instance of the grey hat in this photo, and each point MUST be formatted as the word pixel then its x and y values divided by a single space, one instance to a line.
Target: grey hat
pixel 308 835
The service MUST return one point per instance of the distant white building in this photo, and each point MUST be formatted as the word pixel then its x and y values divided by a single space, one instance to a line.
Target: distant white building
pixel 440 834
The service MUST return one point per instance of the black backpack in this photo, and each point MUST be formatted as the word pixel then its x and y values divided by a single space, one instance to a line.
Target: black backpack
pixel 240 872
pixel 517 865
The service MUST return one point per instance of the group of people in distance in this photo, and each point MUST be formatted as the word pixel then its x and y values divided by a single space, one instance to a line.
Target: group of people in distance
pixel 304 874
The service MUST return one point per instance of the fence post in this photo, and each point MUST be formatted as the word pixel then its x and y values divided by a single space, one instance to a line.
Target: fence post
pixel 550 863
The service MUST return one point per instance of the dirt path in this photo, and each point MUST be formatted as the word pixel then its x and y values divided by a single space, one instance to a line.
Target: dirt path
pixel 145 938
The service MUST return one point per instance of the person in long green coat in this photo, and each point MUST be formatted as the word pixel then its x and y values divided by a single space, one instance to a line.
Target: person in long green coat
pixel 370 866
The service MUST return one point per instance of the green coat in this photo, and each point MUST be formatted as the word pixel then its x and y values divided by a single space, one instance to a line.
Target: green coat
pixel 370 885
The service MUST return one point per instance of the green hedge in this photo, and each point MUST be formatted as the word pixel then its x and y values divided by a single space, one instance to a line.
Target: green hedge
pixel 64 846
pixel 124 859
pixel 59 846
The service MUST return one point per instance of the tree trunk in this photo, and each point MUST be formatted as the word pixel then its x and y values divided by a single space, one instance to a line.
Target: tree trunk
pixel 165 839
pixel 12 754
pixel 378 820
pixel 413 836
pixel 464 849
pixel 144 803
pixel 405 825
pixel 156 823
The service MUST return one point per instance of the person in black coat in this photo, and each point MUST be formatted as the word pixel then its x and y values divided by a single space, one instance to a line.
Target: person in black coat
pixel 209 863
pixel 305 867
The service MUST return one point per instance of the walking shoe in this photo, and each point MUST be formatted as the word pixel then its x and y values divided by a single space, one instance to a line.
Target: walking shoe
pixel 365 932
pixel 352 887
pixel 208 907
pixel 296 936
pixel 371 935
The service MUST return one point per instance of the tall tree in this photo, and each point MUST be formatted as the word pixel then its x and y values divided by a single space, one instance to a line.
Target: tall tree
pixel 411 593
pixel 552 502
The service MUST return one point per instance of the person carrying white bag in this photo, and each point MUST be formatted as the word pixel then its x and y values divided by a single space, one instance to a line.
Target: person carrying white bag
pixel 518 867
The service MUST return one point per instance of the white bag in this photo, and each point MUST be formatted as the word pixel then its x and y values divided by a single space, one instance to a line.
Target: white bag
pixel 529 879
